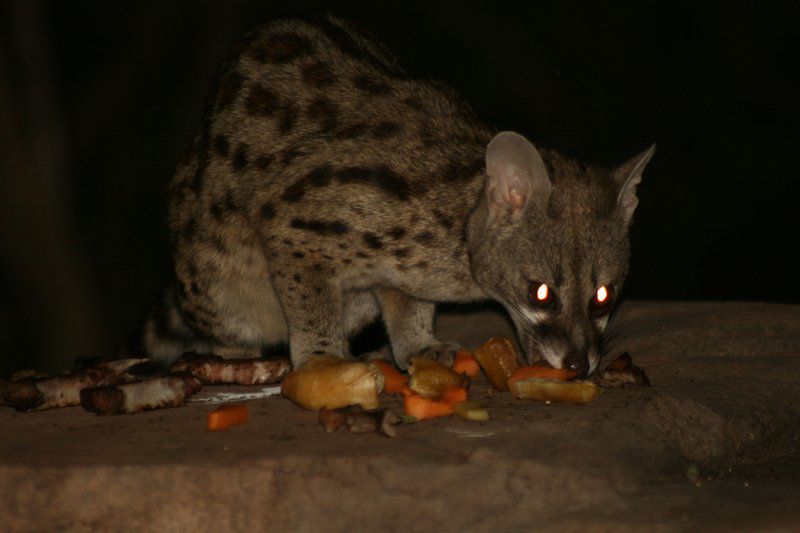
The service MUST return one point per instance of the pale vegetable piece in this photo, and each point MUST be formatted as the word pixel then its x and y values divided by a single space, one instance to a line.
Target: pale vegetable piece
pixel 430 378
pixel 549 390
pixel 498 360
pixel 328 382
pixel 472 410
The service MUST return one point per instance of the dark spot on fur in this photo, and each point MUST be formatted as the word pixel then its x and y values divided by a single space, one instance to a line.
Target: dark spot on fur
pixel 262 101
pixel 353 130
pixel 422 264
pixel 229 88
pixel 318 75
pixel 400 252
pixel 194 288
pixel 459 170
pixel 342 246
pixel 297 278
pixel 294 192
pixel 371 85
pixel 320 176
pixel 380 176
pixel 396 232
pixel 288 118
pixel 385 129
pixel 267 211
pixel 324 112
pixel 298 255
pixel 361 255
pixel 239 161
pixel 263 162
pixel 444 220
pixel 288 242
pixel 326 256
pixel 426 237
pixel 372 240
pixel 290 155
pixel 221 145
pixel 347 261
pixel 335 227
pixel 281 47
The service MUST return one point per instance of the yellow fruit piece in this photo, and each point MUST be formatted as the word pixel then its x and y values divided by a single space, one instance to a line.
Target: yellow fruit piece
pixel 430 378
pixel 550 390
pixel 328 382
pixel 471 410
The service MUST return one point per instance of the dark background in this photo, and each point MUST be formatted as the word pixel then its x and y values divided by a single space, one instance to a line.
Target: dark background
pixel 99 99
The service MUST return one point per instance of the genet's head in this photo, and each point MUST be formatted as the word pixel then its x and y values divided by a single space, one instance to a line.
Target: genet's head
pixel 550 242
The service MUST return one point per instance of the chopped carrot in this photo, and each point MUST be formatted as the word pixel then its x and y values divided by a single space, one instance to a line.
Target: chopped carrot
pixel 454 395
pixel 407 391
pixel 393 381
pixel 541 371
pixel 226 416
pixel 466 364
pixel 422 408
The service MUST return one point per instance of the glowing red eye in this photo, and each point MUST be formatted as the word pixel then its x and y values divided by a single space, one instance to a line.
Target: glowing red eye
pixel 541 294
pixel 602 295
pixel 601 302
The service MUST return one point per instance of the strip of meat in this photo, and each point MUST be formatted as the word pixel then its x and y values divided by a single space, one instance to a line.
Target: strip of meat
pixel 212 369
pixel 155 393
pixel 39 394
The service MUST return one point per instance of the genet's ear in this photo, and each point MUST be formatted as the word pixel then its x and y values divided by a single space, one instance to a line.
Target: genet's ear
pixel 627 176
pixel 517 176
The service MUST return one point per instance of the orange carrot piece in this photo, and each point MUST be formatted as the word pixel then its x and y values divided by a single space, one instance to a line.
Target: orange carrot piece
pixel 393 381
pixel 466 364
pixel 541 371
pixel 226 416
pixel 454 395
pixel 423 408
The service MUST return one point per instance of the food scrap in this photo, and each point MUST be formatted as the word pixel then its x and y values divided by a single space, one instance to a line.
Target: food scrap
pixel 328 382
pixel 466 364
pixel 359 422
pixel 622 372
pixel 226 416
pixel 213 369
pixel 137 396
pixel 430 378
pixel 394 382
pixel 498 360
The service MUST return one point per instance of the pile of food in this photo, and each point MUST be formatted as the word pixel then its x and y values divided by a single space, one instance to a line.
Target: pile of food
pixel 433 390
pixel 345 393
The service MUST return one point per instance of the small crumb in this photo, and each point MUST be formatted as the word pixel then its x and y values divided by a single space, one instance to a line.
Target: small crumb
pixel 548 402
pixel 225 448
pixel 746 484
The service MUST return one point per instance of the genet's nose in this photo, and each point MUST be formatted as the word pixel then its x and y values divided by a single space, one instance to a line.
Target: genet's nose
pixel 577 362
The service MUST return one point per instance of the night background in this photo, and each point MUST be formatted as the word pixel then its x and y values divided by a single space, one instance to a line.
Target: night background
pixel 98 100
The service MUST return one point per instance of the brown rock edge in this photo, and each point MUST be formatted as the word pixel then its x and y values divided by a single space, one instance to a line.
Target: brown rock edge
pixel 713 444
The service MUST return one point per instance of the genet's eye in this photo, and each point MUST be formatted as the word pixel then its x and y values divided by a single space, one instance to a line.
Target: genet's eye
pixel 602 294
pixel 542 295
pixel 601 301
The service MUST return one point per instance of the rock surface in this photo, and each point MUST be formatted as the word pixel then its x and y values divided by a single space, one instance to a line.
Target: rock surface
pixel 713 444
